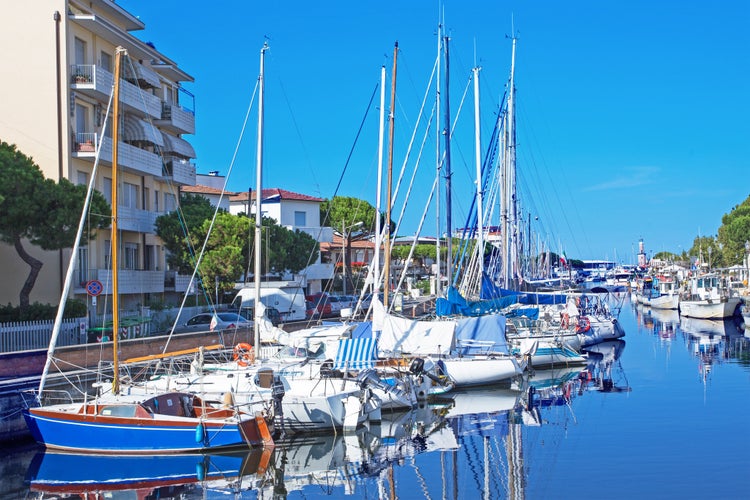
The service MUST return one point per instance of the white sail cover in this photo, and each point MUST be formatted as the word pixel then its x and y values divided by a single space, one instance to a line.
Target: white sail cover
pixel 402 336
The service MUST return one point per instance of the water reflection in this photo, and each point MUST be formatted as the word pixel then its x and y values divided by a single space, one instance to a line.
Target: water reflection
pixel 711 342
pixel 479 431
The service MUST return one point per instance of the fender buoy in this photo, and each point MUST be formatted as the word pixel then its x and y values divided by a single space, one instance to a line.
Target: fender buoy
pixel 244 354
pixel 565 321
pixel 584 325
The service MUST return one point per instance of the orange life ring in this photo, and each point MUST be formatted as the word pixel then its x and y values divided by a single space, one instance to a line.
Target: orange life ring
pixel 244 354
pixel 584 325
pixel 565 321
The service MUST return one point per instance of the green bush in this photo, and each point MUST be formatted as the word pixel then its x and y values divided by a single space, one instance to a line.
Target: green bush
pixel 74 308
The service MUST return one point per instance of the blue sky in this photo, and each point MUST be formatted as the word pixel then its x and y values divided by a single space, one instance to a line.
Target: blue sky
pixel 632 115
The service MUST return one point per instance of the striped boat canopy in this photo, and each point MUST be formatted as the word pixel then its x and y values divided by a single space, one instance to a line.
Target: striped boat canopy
pixel 355 354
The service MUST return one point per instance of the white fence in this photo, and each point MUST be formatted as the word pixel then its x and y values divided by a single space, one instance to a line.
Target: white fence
pixel 28 335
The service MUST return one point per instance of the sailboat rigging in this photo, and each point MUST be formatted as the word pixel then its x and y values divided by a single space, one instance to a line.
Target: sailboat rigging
pixel 167 422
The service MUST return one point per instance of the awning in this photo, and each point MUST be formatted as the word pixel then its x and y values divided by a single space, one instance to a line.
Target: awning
pixel 135 129
pixel 142 74
pixel 355 354
pixel 178 145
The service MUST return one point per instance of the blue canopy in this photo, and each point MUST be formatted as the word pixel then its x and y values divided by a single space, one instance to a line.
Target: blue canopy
pixel 481 335
pixel 355 354
pixel 456 305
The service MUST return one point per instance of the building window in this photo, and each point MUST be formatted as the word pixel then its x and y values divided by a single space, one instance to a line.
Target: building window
pixel 83 265
pixel 129 195
pixel 131 256
pixel 156 201
pixel 82 178
pixel 105 61
pixel 149 258
pixel 169 202
pixel 82 120
pixel 107 190
pixel 80 51
pixel 300 219
pixel 107 254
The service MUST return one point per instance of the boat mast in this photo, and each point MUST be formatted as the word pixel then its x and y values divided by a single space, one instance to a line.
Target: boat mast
pixel 258 197
pixel 389 182
pixel 115 243
pixel 378 225
pixel 509 192
pixel 448 173
pixel 478 162
pixel 439 164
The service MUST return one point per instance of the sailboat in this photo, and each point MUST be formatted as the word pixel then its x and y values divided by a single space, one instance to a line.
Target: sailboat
pixel 121 423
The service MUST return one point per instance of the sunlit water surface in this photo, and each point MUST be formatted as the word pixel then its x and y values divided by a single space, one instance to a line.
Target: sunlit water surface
pixel 662 414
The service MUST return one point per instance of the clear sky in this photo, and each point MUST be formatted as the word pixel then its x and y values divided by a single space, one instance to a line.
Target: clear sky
pixel 632 114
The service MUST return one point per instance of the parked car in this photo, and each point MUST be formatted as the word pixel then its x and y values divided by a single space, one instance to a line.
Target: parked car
pixel 321 302
pixel 224 321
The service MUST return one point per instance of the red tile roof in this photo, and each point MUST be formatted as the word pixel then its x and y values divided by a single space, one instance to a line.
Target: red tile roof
pixel 277 193
pixel 199 189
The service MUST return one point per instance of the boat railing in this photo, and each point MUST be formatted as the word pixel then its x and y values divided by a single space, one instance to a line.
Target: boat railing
pixel 47 397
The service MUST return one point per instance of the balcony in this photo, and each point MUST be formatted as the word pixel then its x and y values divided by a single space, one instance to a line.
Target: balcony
pixel 178 171
pixel 135 219
pixel 131 281
pixel 174 282
pixel 130 158
pixel 96 82
pixel 176 119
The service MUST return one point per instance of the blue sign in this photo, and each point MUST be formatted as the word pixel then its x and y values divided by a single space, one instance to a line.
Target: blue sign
pixel 94 287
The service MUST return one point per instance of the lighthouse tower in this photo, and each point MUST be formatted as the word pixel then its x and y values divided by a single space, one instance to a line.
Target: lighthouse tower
pixel 641 254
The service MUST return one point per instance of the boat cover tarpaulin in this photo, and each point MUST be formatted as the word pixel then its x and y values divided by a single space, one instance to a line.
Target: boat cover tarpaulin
pixel 355 354
pixel 456 305
pixel 481 335
pixel 491 291
pixel 400 336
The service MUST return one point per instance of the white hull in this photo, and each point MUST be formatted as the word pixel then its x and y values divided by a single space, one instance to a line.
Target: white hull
pixel 665 302
pixel 546 354
pixel 704 309
pixel 473 371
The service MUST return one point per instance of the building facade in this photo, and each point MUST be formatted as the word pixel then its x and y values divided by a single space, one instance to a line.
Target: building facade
pixel 62 53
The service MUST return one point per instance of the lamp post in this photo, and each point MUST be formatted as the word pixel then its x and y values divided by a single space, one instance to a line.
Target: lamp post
pixel 747 261
pixel 345 232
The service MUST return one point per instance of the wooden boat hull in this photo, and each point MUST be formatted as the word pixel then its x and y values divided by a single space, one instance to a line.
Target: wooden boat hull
pixel 66 427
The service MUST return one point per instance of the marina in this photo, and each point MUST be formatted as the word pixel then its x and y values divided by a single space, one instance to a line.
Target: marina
pixel 630 422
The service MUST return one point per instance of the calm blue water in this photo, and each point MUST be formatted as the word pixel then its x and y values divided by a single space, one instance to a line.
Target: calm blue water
pixel 667 419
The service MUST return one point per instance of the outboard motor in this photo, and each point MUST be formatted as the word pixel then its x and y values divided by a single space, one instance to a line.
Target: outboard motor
pixel 417 366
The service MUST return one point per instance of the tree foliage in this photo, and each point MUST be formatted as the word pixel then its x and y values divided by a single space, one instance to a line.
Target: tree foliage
pixel 734 233
pixel 708 250
pixel 174 227
pixel 227 254
pixel 42 211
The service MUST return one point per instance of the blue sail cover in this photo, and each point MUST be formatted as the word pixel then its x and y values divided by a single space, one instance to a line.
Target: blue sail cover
pixel 490 291
pixel 456 305
pixel 355 354
pixel 481 335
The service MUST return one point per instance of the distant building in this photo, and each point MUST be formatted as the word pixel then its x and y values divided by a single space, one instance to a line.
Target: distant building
pixel 61 55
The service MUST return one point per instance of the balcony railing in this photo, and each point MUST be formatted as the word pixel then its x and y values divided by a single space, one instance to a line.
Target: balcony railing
pixel 97 82
pixel 176 282
pixel 132 281
pixel 135 219
pixel 131 158
pixel 179 170
pixel 176 118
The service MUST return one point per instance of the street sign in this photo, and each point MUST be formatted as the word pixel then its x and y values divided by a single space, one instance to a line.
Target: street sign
pixel 94 287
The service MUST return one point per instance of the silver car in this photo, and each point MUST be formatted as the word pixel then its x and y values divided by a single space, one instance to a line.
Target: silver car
pixel 224 321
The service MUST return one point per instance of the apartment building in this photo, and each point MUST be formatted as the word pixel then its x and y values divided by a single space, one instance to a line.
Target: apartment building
pixel 54 108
